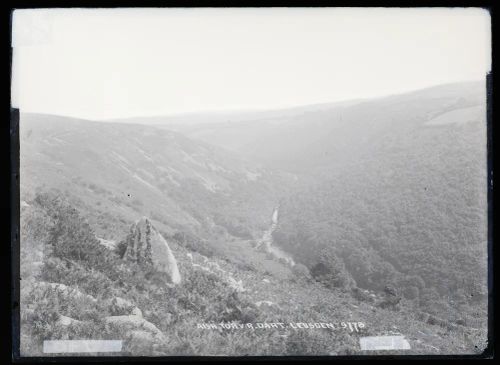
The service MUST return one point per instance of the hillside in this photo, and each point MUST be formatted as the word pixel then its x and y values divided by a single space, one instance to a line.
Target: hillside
pixel 75 288
pixel 413 215
pixel 115 172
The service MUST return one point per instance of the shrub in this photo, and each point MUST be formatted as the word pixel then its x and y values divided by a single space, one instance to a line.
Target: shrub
pixel 301 272
pixel 411 293
pixel 331 271
pixel 193 243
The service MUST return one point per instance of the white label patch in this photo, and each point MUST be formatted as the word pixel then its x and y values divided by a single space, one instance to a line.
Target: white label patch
pixel 32 27
pixel 384 343
pixel 71 346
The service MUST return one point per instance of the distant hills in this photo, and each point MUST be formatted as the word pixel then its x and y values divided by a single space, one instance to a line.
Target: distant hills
pixel 302 138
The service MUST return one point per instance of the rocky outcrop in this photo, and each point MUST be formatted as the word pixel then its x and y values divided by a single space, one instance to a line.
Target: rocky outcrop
pixel 145 245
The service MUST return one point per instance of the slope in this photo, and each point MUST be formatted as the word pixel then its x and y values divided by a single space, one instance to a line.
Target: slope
pixel 116 171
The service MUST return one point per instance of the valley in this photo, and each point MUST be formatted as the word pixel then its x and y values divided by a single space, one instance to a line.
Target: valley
pixel 365 211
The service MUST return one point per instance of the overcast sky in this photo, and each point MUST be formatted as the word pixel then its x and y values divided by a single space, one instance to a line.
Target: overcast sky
pixel 101 64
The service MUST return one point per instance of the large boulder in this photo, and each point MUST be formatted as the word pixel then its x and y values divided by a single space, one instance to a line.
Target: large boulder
pixel 145 244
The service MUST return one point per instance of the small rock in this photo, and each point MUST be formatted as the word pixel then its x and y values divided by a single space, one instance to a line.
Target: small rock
pixel 66 291
pixel 67 321
pixel 128 325
pixel 264 303
pixel 120 306
pixel 136 312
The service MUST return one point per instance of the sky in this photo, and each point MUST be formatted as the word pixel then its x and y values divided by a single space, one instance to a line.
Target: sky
pixel 116 63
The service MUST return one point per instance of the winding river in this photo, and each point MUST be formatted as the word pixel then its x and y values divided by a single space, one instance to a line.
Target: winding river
pixel 266 242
